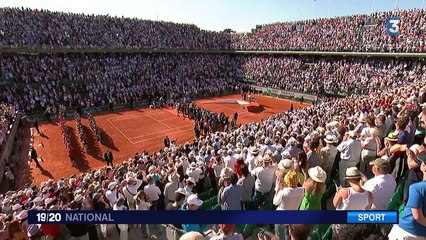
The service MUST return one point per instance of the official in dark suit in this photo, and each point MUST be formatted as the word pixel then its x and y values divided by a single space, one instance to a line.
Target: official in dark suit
pixel 34 156
pixel 108 157
pixel 36 126
pixel 166 142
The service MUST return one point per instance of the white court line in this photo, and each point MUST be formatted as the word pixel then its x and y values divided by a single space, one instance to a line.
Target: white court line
pixel 120 131
pixel 152 138
pixel 127 117
pixel 163 131
pixel 133 116
pixel 173 118
pixel 159 122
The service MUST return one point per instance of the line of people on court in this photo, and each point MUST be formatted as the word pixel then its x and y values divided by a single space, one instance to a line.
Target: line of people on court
pixel 205 121
pixel 81 134
pixel 94 127
pixel 65 132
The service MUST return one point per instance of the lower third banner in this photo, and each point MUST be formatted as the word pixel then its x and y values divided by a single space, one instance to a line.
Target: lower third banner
pixel 212 217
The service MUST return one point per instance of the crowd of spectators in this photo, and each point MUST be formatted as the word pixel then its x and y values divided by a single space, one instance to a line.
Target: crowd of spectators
pixel 368 141
pixel 85 81
pixel 97 80
pixel 318 76
pixel 358 33
pixel 46 29
pixel 367 33
pixel 356 139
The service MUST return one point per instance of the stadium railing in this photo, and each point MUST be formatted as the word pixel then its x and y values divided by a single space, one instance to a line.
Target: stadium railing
pixel 9 145
pixel 286 94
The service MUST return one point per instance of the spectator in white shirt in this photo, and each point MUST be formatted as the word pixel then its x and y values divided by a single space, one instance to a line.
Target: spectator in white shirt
pixel 194 172
pixel 251 158
pixel 350 155
pixel 237 153
pixel 171 187
pixel 112 194
pixel 131 189
pixel 328 154
pixel 277 154
pixel 293 149
pixel 142 204
pixel 229 160
pixel 352 198
pixel 283 167
pixel 189 188
pixel 264 181
pixel 184 163
pixel 119 206
pixel 217 167
pixel 369 145
pixel 287 197
pixel 152 192
pixel 247 181
pixel 361 124
pixel 382 185
pixel 269 145
pixel 262 146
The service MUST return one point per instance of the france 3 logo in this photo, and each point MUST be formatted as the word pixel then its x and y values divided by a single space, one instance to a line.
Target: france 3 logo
pixel 393 26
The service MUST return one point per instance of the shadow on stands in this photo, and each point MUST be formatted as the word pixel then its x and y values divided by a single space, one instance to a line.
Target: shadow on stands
pixel 79 157
pixel 93 149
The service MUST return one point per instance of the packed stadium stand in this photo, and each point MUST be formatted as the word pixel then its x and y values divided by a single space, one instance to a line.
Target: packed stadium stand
pixel 370 111
pixel 26 28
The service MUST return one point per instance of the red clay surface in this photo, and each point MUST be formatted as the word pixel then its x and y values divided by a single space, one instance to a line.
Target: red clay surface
pixel 128 132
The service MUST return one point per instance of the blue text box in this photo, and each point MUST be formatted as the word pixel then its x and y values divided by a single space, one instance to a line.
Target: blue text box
pixel 187 217
pixel 374 217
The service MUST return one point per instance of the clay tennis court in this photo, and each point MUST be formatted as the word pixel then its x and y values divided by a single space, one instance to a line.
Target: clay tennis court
pixel 126 133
